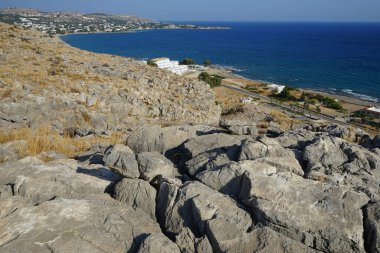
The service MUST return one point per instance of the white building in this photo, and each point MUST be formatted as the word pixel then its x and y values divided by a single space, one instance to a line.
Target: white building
pixel 172 66
pixel 246 100
pixel 276 87
pixel 374 111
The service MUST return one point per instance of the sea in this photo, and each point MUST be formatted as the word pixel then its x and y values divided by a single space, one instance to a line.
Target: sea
pixel 339 58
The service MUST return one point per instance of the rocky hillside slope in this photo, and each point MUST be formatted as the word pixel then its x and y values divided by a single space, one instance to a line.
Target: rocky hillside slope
pixel 43 80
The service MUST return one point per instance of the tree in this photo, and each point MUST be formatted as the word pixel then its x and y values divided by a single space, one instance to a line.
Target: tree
pixel 207 63
pixel 213 81
pixel 187 61
pixel 152 63
pixel 203 76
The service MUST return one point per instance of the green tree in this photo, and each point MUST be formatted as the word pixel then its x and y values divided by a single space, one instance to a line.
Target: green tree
pixel 207 63
pixel 152 63
pixel 187 61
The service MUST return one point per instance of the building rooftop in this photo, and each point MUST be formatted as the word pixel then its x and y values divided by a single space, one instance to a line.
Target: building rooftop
pixel 374 109
pixel 159 59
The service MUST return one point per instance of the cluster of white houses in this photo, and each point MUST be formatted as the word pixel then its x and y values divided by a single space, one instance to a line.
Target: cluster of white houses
pixel 172 66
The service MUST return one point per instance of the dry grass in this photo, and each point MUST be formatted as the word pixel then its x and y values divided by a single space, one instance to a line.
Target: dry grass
pixel 45 139
pixel 284 120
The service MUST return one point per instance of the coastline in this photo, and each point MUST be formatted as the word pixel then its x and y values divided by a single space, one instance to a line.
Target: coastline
pixel 229 72
pixel 344 98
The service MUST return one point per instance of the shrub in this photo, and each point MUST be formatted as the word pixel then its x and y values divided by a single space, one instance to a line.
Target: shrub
pixel 213 81
pixel 187 61
pixel 152 63
pixel 207 63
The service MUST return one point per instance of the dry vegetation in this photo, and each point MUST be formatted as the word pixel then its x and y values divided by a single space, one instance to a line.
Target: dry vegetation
pixel 57 64
pixel 45 139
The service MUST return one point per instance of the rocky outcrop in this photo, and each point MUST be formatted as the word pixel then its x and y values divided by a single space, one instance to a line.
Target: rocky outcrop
pixel 325 217
pixel 196 189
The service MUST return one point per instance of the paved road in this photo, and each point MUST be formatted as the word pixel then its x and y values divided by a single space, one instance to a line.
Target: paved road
pixel 308 115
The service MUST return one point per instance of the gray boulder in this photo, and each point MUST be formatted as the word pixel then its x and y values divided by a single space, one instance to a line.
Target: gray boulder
pixel 121 159
pixel 188 243
pixel 37 181
pixel 296 138
pixel 321 216
pixel 161 140
pixel 211 142
pixel 239 127
pixel 326 151
pixel 137 194
pixel 205 212
pixel 269 151
pixel 340 163
pixel 372 227
pixel 12 151
pixel 346 133
pixel 71 225
pixel 264 147
pixel 153 164
pixel 376 141
pixel 158 243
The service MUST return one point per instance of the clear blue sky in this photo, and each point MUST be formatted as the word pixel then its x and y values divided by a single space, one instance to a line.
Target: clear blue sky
pixel 218 10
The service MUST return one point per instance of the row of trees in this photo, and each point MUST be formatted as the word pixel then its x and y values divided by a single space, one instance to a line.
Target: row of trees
pixel 213 81
pixel 189 61
pixel 308 98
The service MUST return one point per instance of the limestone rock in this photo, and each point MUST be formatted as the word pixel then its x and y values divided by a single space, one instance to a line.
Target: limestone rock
pixel 372 227
pixel 158 243
pixel 211 142
pixel 153 165
pixel 188 243
pixel 163 140
pixel 38 182
pixel 12 151
pixel 264 147
pixel 321 216
pixel 122 160
pixel 71 225
pixel 239 127
pixel 205 211
pixel 137 194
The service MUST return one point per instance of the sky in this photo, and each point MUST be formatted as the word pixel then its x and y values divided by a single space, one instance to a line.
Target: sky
pixel 218 10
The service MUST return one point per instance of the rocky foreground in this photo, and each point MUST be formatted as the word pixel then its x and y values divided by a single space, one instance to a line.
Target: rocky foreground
pixel 197 189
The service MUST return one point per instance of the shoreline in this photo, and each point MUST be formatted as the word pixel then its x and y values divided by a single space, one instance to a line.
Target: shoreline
pixel 229 72
pixel 344 98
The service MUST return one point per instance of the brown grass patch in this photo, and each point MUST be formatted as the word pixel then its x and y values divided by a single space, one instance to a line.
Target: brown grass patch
pixel 46 139
pixel 284 120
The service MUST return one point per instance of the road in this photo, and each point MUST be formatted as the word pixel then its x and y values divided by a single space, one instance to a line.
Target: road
pixel 310 114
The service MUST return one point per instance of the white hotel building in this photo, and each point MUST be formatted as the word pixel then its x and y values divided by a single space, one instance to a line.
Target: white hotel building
pixel 172 66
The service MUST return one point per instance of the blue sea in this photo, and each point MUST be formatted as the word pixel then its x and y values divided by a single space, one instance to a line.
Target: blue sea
pixel 341 58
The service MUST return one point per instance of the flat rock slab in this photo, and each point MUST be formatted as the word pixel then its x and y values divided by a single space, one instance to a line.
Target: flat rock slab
pixel 70 225
pixel 321 216
pixel 38 181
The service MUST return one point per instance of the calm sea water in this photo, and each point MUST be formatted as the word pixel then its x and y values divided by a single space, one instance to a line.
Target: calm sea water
pixel 342 58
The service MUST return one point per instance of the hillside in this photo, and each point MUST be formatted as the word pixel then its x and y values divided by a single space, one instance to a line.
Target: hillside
pixel 46 82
